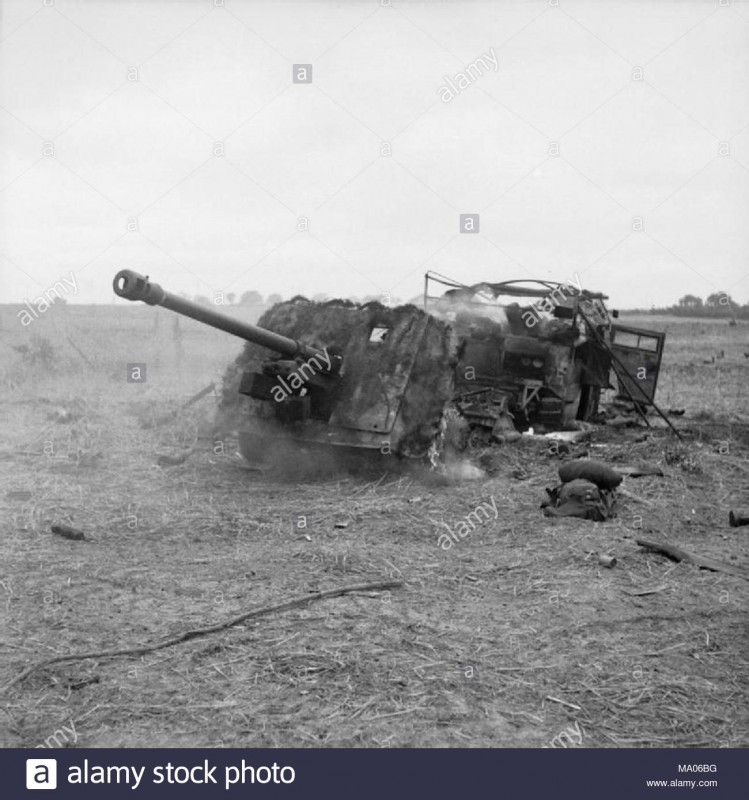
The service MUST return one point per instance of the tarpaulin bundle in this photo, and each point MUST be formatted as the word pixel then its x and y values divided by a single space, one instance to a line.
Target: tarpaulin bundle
pixel 594 471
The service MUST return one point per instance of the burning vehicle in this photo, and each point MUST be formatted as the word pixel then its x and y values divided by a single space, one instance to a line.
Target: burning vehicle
pixel 540 353
pixel 475 363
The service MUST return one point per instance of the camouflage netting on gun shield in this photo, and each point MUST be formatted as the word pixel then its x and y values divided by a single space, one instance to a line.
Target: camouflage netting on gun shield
pixel 330 325
pixel 430 388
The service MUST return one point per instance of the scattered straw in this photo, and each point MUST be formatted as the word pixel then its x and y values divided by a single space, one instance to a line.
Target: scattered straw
pixel 294 602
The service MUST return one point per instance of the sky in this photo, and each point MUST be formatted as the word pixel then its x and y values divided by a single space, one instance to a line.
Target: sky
pixel 606 141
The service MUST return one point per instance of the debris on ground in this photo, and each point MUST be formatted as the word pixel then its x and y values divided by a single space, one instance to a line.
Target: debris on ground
pixel 19 494
pixel 587 491
pixel 677 554
pixel 635 497
pixel 68 412
pixel 568 436
pixel 68 533
pixel 640 470
pixel 620 421
pixel 648 591
pixel 173 459
pixel 172 415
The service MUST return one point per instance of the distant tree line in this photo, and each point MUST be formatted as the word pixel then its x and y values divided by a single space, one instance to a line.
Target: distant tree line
pixel 716 305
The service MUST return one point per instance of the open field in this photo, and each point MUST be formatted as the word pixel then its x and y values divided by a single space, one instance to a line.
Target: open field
pixel 513 637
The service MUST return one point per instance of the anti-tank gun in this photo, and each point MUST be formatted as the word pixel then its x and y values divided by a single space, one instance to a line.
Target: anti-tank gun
pixel 301 380
pixel 368 376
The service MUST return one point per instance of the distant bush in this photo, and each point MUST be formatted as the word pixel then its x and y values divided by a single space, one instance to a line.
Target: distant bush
pixel 706 312
pixel 718 305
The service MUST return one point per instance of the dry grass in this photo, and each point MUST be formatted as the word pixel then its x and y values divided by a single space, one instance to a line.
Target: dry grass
pixel 508 639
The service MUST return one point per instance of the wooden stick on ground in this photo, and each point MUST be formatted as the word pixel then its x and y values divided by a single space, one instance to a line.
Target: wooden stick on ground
pixel 294 602
pixel 677 553
pixel 164 418
pixel 79 351
pixel 633 496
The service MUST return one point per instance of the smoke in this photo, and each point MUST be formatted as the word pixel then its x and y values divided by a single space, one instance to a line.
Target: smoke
pixel 272 450
pixel 463 470
pixel 483 305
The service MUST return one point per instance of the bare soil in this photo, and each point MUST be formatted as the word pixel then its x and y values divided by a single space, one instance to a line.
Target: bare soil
pixel 512 637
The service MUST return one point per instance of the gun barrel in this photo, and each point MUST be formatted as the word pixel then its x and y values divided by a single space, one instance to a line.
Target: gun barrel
pixel 133 286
